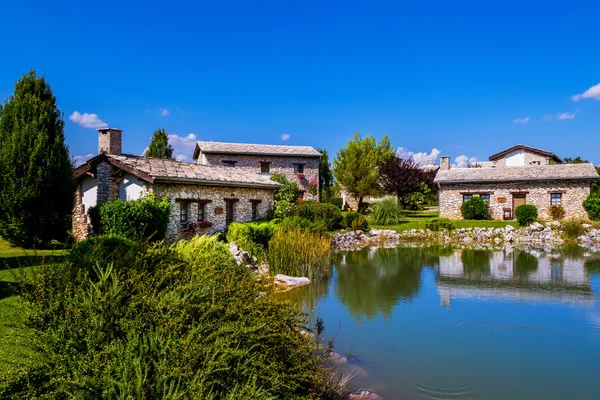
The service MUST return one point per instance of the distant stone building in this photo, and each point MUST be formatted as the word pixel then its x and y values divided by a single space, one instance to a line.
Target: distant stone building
pixel 519 175
pixel 215 193
pixel 298 163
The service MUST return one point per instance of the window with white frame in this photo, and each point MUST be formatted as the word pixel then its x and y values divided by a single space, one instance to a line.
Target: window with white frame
pixel 555 199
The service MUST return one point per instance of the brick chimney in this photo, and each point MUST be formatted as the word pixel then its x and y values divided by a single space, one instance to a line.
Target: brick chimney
pixel 444 163
pixel 109 141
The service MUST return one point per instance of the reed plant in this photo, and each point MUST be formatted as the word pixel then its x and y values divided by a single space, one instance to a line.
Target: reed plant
pixel 572 228
pixel 387 212
pixel 299 252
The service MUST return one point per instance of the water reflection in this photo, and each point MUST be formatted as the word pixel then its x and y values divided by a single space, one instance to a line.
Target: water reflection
pixel 519 274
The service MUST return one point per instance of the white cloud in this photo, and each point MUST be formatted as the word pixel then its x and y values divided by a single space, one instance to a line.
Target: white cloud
pixel 464 161
pixel 566 115
pixel 285 137
pixel 163 111
pixel 420 158
pixel 87 120
pixel 183 145
pixel 591 93
pixel 521 121
pixel 78 160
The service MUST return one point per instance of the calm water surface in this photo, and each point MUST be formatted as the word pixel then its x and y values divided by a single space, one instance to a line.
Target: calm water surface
pixel 458 324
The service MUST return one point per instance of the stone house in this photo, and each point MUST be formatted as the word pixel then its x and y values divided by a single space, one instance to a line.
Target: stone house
pixel 298 163
pixel 213 193
pixel 519 175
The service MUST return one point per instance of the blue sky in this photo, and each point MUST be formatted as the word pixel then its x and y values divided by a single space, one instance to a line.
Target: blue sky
pixel 466 78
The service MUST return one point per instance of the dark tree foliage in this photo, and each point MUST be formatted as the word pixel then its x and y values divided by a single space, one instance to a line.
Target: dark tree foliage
pixel 36 175
pixel 574 160
pixel 160 147
pixel 401 176
pixel 325 176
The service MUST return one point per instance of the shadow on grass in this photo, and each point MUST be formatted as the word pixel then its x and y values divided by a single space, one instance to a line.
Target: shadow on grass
pixel 28 261
pixel 9 289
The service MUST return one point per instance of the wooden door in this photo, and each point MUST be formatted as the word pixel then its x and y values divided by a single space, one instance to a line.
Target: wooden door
pixel 518 200
pixel 229 212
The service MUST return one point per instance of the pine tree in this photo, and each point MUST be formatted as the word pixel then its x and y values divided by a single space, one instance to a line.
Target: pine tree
pixel 160 147
pixel 36 175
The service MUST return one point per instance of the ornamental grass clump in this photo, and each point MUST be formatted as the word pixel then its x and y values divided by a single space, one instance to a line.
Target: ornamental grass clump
pixel 169 322
pixel 298 252
pixel 387 212
pixel 475 208
pixel 572 228
pixel 526 214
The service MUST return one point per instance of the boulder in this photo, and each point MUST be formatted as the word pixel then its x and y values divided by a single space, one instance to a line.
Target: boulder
pixel 291 281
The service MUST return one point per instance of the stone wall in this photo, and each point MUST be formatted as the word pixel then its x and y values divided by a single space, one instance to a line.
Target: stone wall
pixel 215 210
pixel 281 165
pixel 574 192
pixel 80 225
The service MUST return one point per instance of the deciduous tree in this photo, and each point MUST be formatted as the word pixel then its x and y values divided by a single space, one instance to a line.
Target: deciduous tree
pixel 401 177
pixel 356 166
pixel 36 174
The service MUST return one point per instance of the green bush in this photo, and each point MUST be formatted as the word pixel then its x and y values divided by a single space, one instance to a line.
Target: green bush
pixel 145 219
pixel 94 218
pixel 592 206
pixel 387 212
pixel 526 214
pixel 299 252
pixel 348 218
pixel 556 212
pixel 252 237
pixel 284 208
pixel 439 224
pixel 360 223
pixel 296 222
pixel 180 322
pixel 336 201
pixel 102 251
pixel 288 191
pixel 475 208
pixel 572 228
pixel 313 211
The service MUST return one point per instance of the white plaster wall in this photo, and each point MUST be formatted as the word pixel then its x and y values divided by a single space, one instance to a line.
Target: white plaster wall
pixel 130 188
pixel 89 188
pixel 515 159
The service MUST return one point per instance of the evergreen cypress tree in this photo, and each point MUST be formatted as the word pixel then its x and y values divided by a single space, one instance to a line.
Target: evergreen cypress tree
pixel 36 174
pixel 160 147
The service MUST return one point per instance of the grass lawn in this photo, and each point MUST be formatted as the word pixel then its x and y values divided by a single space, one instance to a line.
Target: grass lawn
pixel 417 220
pixel 14 336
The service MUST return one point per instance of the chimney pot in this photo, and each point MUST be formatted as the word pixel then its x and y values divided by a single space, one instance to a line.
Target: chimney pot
pixel 110 141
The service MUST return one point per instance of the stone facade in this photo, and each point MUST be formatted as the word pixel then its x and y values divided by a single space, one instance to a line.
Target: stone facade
pixel 191 195
pixel 573 193
pixel 531 158
pixel 277 164
pixel 80 224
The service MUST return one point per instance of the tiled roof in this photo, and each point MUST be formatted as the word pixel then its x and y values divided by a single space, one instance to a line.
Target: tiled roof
pixel 541 152
pixel 527 173
pixel 254 149
pixel 163 170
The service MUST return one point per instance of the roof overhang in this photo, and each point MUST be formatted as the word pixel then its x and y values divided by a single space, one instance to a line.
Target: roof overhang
pixel 506 180
pixel 544 153
pixel 207 182
pixel 91 165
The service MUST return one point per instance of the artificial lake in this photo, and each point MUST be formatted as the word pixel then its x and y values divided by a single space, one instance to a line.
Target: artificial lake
pixel 418 322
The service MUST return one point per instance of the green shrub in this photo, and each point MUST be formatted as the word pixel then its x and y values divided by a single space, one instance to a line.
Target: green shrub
pixel 387 212
pixel 526 214
pixel 475 208
pixel 101 251
pixel 299 252
pixel 556 212
pixel 572 228
pixel 439 224
pixel 360 223
pixel 284 208
pixel 592 206
pixel 288 191
pixel 143 219
pixel 296 222
pixel 252 237
pixel 348 218
pixel 313 211
pixel 181 322
pixel 336 201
